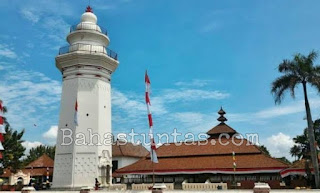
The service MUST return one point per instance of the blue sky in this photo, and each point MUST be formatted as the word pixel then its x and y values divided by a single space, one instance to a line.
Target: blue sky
pixel 199 55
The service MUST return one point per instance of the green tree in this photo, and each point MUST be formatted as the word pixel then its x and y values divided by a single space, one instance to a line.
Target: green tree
pixel 264 150
pixel 296 152
pixel 284 159
pixel 13 150
pixel 301 149
pixel 300 71
pixel 38 151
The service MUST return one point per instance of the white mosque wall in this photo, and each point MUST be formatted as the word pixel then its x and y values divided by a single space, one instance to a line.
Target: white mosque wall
pixel 125 161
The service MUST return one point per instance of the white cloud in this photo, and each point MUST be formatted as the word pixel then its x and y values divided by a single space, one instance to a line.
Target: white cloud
pixel 34 10
pixel 57 29
pixel 129 109
pixel 279 145
pixel 281 110
pixel 193 121
pixel 30 15
pixel 127 102
pixel 6 51
pixel 174 95
pixel 134 105
pixel 193 83
pixel 274 112
pixel 49 16
pixel 189 117
pixel 30 144
pixel 51 134
pixel 210 27
pixel 30 96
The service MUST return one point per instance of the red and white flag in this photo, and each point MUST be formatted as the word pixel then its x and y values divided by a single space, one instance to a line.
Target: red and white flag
pixel 1 138
pixel 2 129
pixel 153 148
pixel 1 147
pixel 76 113
pixel 1 107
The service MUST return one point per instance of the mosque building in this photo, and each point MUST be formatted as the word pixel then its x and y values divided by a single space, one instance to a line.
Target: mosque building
pixel 213 161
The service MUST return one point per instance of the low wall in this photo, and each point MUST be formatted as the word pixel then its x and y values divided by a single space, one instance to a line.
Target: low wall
pixel 204 186
pixel 170 186
pixel 118 187
pixel 174 191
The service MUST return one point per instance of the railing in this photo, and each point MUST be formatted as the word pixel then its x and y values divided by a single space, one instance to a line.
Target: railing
pixel 88 26
pixel 88 48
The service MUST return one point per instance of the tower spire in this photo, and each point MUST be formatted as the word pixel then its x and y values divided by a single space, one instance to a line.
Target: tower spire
pixel 222 119
pixel 89 9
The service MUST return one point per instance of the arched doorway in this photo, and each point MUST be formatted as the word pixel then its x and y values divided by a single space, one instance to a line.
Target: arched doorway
pixel 20 183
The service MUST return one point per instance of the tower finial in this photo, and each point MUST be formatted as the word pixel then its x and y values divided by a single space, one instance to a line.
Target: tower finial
pixel 89 9
pixel 222 119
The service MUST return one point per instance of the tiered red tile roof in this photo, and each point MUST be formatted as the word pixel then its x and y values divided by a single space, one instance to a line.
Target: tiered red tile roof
pixel 40 166
pixel 210 157
pixel 43 161
pixel 221 128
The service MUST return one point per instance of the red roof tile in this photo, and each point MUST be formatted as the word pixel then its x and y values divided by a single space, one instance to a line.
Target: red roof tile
pixel 6 173
pixel 213 147
pixel 121 149
pixel 255 161
pixel 42 162
pixel 221 128
pixel 38 171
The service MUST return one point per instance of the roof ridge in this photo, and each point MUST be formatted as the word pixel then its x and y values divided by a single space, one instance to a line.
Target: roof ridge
pixel 264 154
pixel 221 128
pixel 43 157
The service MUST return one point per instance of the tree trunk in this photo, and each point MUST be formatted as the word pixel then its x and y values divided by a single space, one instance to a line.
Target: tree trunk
pixel 313 151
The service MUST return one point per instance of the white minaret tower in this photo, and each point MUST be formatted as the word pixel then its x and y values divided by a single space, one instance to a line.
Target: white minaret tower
pixel 86 66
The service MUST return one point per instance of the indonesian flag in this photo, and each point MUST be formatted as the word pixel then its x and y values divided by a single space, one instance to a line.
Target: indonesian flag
pixel 153 154
pixel 233 156
pixel 234 161
pixel 1 137
pixel 76 113
pixel 2 129
pixel 1 147
pixel 1 107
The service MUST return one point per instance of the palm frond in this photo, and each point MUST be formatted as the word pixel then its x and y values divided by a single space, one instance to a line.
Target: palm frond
pixel 313 55
pixel 315 82
pixel 287 66
pixel 282 84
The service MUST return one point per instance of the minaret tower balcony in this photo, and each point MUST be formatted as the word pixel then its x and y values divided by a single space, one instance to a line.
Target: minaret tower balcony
pixel 88 42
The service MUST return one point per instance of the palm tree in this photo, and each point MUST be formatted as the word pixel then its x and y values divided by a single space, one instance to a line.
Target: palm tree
pixel 300 70
pixel 296 152
pixel 13 148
